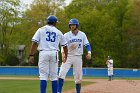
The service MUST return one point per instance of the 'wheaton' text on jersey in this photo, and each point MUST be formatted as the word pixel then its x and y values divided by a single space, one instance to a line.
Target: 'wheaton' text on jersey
pixel 75 40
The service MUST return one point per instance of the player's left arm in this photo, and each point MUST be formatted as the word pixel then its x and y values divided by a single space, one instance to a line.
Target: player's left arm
pixel 88 47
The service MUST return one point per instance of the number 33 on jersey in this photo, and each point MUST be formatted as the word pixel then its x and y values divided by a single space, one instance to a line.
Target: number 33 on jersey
pixel 48 38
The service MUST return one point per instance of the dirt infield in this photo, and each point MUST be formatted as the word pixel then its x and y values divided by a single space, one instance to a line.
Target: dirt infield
pixel 100 85
pixel 115 86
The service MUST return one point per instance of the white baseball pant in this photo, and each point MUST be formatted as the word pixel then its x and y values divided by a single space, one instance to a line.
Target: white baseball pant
pixel 48 65
pixel 76 61
pixel 110 71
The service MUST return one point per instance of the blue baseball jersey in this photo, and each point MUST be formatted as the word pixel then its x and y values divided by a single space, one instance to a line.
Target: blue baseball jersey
pixel 49 38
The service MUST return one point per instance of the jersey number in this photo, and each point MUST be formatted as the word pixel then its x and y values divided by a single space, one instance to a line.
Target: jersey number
pixel 79 46
pixel 51 36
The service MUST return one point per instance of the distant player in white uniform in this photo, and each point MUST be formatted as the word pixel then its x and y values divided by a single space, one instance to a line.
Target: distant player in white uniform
pixel 48 38
pixel 109 63
pixel 76 40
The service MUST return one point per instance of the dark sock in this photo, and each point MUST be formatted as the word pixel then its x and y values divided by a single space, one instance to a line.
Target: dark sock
pixel 60 84
pixel 109 78
pixel 78 88
pixel 43 86
pixel 54 86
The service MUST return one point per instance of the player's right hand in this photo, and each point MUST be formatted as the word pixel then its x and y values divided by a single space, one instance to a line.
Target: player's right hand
pixel 64 59
pixel 31 59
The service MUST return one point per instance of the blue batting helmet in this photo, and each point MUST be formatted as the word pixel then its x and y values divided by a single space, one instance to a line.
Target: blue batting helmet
pixel 52 19
pixel 74 21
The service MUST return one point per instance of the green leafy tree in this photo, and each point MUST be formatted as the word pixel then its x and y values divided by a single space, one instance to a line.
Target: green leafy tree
pixel 133 35
pixel 106 23
pixel 35 17
pixel 112 27
pixel 9 18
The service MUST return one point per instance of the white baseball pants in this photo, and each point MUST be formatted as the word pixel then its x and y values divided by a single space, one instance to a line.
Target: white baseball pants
pixel 110 71
pixel 76 61
pixel 48 65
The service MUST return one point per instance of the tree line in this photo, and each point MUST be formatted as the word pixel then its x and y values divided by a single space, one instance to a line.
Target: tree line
pixel 112 27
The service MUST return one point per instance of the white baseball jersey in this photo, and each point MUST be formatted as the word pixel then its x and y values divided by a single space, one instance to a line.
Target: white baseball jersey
pixel 110 63
pixel 75 51
pixel 110 67
pixel 76 42
pixel 48 38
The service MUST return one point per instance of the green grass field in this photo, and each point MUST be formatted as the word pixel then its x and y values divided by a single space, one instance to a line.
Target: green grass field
pixel 31 86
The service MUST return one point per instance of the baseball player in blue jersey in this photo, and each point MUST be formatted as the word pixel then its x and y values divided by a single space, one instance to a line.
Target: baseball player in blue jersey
pixel 48 38
pixel 76 40
pixel 109 63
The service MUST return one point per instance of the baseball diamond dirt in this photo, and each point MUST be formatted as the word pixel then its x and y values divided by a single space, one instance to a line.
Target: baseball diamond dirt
pixel 105 86
pixel 101 85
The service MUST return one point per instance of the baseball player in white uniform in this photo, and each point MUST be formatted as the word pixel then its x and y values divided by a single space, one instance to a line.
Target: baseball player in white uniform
pixel 76 40
pixel 109 63
pixel 48 39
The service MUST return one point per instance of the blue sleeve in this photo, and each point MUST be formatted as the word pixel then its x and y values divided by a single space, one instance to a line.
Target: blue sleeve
pixel 88 47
